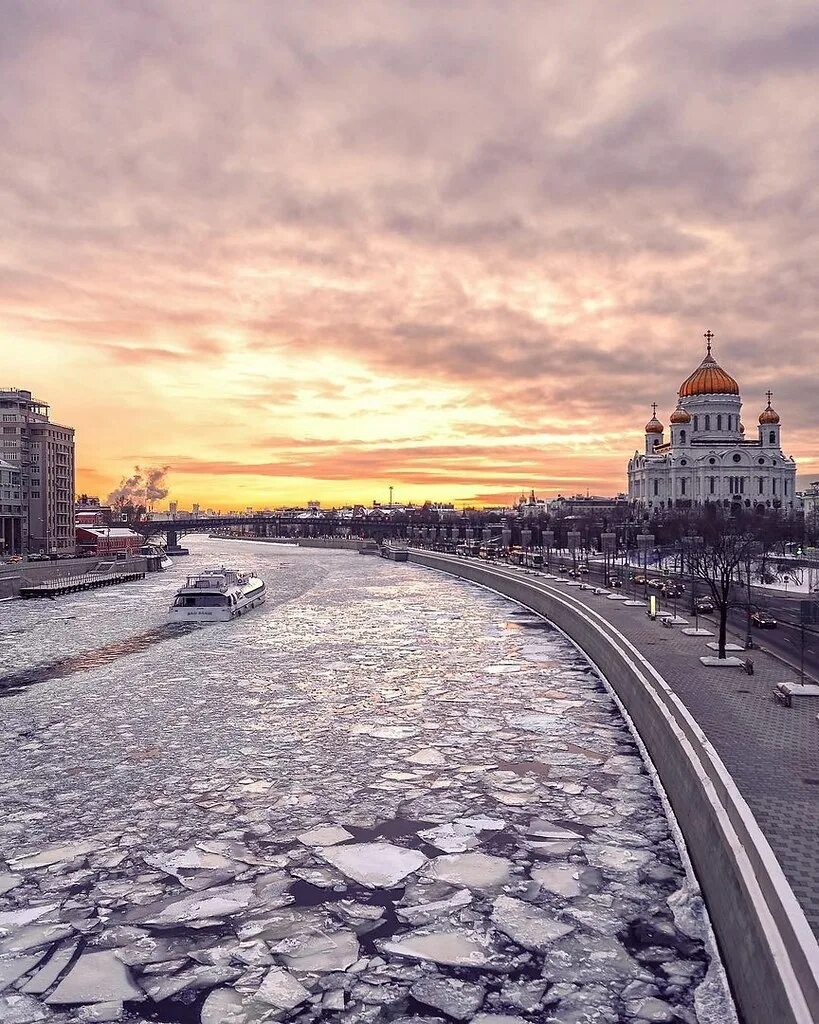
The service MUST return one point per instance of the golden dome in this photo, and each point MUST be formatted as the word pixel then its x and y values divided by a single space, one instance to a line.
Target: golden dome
pixel 769 415
pixel 709 378
pixel 654 426
pixel 680 416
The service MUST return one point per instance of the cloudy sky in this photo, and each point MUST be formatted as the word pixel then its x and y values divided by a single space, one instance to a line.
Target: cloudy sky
pixel 311 250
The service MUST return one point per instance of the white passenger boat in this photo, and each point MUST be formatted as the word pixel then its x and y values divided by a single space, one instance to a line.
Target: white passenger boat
pixel 217 595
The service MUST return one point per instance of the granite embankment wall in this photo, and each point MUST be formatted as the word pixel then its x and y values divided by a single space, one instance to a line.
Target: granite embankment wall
pixel 769 951
pixel 23 574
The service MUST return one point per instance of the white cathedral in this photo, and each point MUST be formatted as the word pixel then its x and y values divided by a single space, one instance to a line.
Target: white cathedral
pixel 707 457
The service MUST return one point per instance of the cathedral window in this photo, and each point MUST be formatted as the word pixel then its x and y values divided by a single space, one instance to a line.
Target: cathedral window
pixel 772 437
pixel 773 485
pixel 682 437
pixel 761 484
pixel 719 422
pixel 786 488
pixel 712 484
pixel 682 486
pixel 707 422
pixel 696 423
pixel 656 487
pixel 737 457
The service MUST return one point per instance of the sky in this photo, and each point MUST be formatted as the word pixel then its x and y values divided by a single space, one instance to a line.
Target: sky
pixel 309 251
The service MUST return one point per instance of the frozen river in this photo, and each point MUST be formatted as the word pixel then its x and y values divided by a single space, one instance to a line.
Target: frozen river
pixel 384 795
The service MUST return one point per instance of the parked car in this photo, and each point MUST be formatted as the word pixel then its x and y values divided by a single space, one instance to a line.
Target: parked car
pixel 638 578
pixel 764 620
pixel 615 583
pixel 583 569
pixel 704 605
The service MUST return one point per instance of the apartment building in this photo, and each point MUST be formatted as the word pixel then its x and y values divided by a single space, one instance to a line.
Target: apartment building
pixel 42 453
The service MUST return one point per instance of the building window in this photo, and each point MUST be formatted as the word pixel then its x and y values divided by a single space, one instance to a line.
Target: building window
pixel 719 422
pixel 682 437
pixel 773 485
pixel 737 457
pixel 786 488
pixel 761 484
pixel 772 437
pixel 696 423
pixel 712 484
pixel 707 422
pixel 682 486
pixel 656 487
pixel 729 423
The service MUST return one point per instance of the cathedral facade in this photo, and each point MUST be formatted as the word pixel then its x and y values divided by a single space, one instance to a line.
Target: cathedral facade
pixel 707 456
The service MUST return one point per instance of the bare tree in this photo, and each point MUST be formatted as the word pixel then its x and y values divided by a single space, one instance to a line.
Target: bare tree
pixel 726 544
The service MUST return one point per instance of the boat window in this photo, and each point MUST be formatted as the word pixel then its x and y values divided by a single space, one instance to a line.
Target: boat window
pixel 200 601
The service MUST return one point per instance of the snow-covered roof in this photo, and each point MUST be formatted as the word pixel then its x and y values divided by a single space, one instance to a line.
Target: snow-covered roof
pixel 110 531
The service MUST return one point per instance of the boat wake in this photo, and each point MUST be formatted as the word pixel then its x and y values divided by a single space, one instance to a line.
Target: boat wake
pixel 13 682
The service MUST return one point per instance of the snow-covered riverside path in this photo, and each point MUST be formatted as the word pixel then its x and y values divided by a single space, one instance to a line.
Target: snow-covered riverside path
pixel 384 795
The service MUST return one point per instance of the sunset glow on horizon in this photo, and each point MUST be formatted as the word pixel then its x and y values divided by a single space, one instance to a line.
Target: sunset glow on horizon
pixel 313 251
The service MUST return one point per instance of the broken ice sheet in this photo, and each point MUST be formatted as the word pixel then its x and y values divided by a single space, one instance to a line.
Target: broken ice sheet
pixel 281 989
pixel 375 865
pixel 427 756
pixel 456 998
pixel 213 903
pixel 448 947
pixel 561 879
pixel 472 870
pixel 526 924
pixel 98 977
pixel 451 838
pixel 330 951
pixel 9 882
pixel 55 855
pixel 325 835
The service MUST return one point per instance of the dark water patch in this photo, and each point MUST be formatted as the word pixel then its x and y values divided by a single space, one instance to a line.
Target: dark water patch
pixel 62 667
pixel 393 828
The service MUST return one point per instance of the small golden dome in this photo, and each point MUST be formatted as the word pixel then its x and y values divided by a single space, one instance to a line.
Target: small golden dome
pixel 709 378
pixel 654 426
pixel 742 428
pixel 768 416
pixel 680 416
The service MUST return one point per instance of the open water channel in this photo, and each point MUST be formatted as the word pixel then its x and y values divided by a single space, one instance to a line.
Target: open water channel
pixel 385 795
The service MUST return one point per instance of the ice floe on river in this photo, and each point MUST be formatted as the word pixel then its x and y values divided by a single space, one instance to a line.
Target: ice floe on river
pixel 389 796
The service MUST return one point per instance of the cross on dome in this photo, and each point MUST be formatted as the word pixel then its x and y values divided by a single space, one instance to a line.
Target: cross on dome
pixel 709 335
pixel 769 396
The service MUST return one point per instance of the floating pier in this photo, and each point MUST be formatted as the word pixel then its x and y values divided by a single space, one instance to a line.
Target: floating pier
pixel 74 584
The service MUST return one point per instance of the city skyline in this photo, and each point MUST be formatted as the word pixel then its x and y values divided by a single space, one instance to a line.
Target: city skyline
pixel 308 254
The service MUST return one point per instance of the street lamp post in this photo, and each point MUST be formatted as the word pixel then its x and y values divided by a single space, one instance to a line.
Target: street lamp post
pixel 644 542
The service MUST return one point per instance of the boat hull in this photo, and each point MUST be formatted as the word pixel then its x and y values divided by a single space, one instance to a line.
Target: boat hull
pixel 217 614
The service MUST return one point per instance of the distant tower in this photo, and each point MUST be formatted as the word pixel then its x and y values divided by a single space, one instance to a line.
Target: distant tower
pixel 654 431
pixel 769 425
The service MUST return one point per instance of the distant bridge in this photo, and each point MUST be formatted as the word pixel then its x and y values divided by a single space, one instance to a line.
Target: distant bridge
pixel 399 527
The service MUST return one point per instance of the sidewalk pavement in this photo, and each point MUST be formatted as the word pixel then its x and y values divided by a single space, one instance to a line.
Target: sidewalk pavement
pixel 771 751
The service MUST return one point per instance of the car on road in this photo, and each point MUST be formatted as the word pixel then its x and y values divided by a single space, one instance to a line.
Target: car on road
pixel 673 589
pixel 615 583
pixel 638 578
pixel 704 605
pixel 764 620
pixel 656 583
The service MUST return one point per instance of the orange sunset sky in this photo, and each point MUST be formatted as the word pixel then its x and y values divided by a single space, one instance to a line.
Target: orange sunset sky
pixel 309 250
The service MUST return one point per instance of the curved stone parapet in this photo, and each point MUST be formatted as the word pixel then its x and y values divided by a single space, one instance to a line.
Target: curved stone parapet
pixel 768 948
